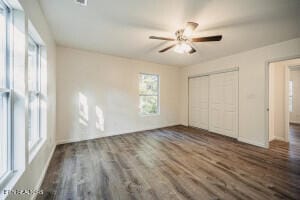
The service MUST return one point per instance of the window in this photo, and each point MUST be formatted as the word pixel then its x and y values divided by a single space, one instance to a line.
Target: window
pixel 149 94
pixel 5 122
pixel 291 96
pixel 34 88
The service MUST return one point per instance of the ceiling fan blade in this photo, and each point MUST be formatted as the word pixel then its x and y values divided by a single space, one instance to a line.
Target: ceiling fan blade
pixel 207 39
pixel 161 38
pixel 167 48
pixel 189 28
pixel 193 50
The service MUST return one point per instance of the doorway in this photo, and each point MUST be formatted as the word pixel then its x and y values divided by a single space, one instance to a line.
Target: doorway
pixel 294 104
pixel 284 101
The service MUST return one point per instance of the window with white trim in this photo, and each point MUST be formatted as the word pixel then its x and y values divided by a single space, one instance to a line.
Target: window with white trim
pixel 34 93
pixel 5 100
pixel 149 94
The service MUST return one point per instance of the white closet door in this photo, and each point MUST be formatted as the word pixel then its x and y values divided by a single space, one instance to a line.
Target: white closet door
pixel 198 102
pixel 223 103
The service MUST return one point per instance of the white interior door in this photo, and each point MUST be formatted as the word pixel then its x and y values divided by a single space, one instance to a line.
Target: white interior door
pixel 223 103
pixel 198 102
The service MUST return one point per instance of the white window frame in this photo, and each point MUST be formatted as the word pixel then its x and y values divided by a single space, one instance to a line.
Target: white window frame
pixel 291 94
pixel 37 94
pixel 6 91
pixel 158 95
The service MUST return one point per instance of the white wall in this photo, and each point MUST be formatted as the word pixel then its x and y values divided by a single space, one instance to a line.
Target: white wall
pixel 252 86
pixel 111 83
pixel 295 114
pixel 32 173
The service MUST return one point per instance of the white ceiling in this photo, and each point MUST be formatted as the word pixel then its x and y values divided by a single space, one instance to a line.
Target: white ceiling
pixel 122 27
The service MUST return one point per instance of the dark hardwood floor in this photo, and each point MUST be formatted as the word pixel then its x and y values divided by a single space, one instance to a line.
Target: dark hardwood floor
pixel 172 163
pixel 295 133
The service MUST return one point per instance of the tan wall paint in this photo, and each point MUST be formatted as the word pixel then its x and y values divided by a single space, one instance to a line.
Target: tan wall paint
pixel 110 83
pixel 252 86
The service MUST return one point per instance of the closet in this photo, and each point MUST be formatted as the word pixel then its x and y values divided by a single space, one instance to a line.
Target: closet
pixel 213 103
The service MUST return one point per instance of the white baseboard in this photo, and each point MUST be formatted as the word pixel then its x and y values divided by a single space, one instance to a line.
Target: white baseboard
pixel 279 138
pixel 271 138
pixel 295 122
pixel 108 135
pixel 241 139
pixel 74 140
pixel 39 184
pixel 255 143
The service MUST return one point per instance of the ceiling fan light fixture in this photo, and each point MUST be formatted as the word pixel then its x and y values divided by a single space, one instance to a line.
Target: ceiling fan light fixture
pixel 182 47
pixel 184 43
pixel 81 2
pixel 188 32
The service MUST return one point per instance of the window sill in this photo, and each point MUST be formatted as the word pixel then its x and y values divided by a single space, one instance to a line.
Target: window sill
pixel 150 115
pixel 35 149
pixel 12 181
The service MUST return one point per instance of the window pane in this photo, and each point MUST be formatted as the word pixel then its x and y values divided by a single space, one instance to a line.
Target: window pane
pixel 149 105
pixel 33 92
pixel 291 104
pixel 148 84
pixel 33 124
pixel 2 48
pixel 291 88
pixel 4 143
pixel 291 96
pixel 149 94
pixel 3 136
pixel 32 66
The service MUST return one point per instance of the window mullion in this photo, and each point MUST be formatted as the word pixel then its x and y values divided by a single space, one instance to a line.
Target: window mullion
pixel 4 90
pixel 5 95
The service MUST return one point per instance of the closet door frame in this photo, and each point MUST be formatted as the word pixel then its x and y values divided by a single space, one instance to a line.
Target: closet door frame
pixel 211 73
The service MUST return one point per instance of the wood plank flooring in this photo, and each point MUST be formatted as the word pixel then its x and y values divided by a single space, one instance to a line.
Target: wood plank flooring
pixel 172 163
pixel 294 133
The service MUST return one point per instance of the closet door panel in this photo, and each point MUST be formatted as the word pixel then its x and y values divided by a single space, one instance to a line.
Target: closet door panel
pixel 223 103
pixel 198 102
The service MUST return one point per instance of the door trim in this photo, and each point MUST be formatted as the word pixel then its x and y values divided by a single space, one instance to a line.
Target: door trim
pixel 215 72
pixel 267 92
pixel 208 74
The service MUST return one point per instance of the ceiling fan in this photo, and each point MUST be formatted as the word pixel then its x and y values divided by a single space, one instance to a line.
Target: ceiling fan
pixel 183 41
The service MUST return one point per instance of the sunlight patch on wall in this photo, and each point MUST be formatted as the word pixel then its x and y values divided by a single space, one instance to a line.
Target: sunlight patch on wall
pixel 99 119
pixel 83 109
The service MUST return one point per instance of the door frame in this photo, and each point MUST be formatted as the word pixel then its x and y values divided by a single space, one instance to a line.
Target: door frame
pixel 212 73
pixel 289 69
pixel 267 94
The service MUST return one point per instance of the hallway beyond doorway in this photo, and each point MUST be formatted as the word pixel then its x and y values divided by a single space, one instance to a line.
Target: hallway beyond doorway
pixel 294 133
